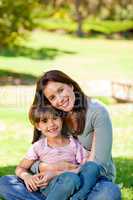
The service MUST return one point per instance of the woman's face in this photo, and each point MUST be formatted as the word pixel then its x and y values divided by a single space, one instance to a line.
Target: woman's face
pixel 60 95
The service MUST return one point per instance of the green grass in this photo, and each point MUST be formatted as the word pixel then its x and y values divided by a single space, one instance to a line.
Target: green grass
pixel 122 116
pixel 86 58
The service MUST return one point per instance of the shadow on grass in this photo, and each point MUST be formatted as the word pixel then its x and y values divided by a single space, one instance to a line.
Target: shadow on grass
pixel 37 54
pixel 8 77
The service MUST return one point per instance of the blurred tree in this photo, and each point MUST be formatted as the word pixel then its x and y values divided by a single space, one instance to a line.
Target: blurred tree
pixel 80 10
pixel 16 18
pixel 19 17
pixel 79 17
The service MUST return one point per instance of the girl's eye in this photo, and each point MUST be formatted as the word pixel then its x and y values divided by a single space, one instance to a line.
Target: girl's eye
pixel 44 120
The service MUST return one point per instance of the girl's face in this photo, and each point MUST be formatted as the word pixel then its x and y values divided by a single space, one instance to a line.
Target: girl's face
pixel 60 95
pixel 50 125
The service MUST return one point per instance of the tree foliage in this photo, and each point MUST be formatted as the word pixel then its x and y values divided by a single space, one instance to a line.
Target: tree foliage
pixel 16 18
pixel 80 10
pixel 19 17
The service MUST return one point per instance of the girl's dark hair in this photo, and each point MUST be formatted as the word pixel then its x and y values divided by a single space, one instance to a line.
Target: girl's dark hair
pixel 76 119
pixel 38 113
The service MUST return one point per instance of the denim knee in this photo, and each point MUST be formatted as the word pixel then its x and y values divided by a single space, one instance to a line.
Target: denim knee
pixel 91 167
pixel 4 180
pixel 70 180
pixel 112 192
pixel 105 191
pixel 118 192
pixel 4 183
pixel 7 180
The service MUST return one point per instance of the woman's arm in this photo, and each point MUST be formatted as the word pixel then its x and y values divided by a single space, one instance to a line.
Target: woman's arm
pixel 103 136
pixel 56 167
pixel 91 154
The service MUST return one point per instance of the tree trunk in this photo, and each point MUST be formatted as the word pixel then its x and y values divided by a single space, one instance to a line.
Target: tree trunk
pixel 79 18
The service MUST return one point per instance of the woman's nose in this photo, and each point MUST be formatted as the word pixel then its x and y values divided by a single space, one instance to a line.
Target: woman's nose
pixel 60 99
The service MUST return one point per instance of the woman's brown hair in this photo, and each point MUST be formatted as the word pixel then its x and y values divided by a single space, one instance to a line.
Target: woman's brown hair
pixel 76 118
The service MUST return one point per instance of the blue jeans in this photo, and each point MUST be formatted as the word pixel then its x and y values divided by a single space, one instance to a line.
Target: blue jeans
pixel 66 184
pixel 89 173
pixel 62 186
pixel 13 188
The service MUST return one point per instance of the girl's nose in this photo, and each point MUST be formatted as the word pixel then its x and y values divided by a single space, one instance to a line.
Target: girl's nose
pixel 51 123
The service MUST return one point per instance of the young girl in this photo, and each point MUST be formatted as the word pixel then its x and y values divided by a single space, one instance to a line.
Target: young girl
pixel 55 145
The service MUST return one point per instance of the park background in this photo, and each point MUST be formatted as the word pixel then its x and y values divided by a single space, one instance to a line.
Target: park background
pixel 90 40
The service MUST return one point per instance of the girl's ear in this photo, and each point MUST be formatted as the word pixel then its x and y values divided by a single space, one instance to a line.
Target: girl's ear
pixel 38 129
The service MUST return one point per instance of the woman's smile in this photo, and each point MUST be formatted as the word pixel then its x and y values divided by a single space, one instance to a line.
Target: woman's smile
pixel 65 103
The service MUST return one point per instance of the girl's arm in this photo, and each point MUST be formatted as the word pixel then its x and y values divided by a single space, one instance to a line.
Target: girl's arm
pixel 22 172
pixel 22 168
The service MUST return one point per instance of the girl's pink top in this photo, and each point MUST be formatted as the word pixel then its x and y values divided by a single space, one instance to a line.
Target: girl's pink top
pixel 73 152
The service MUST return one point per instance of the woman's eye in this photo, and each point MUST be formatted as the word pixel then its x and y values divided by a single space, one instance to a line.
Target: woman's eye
pixel 55 117
pixel 60 90
pixel 52 98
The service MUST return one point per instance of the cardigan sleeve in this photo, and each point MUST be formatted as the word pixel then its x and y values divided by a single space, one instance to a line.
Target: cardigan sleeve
pixel 103 136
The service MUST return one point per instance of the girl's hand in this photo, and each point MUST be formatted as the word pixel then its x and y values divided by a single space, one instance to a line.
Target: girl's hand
pixel 31 182
pixel 44 178
pixel 49 171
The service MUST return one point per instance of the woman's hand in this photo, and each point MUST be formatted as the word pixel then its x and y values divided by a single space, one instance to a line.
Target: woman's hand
pixel 66 166
pixel 55 167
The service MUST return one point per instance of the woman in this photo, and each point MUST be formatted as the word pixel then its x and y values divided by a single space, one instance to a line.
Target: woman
pixel 84 117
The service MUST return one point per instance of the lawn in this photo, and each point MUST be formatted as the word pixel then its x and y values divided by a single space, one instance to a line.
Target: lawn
pixel 83 59
pixel 89 58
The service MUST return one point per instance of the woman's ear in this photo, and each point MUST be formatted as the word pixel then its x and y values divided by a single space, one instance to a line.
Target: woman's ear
pixel 37 127
pixel 72 87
